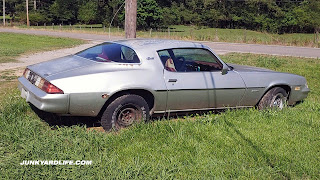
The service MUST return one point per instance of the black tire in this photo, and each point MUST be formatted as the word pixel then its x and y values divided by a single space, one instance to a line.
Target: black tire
pixel 274 98
pixel 125 111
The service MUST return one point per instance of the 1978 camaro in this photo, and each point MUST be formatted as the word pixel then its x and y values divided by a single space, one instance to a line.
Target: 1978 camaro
pixel 127 81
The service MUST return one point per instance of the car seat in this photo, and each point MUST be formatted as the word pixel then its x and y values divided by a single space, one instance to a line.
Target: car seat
pixel 170 65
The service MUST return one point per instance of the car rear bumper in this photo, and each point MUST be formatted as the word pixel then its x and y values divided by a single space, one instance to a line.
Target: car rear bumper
pixel 54 103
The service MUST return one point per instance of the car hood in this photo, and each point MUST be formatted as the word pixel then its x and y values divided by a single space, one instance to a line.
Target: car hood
pixel 241 68
pixel 60 65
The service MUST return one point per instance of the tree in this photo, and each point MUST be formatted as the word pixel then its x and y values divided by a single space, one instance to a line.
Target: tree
pixel 64 11
pixel 264 15
pixel 131 18
pixel 88 12
pixel 313 7
pixel 4 12
pixel 110 10
pixel 27 9
pixel 36 17
pixel 149 14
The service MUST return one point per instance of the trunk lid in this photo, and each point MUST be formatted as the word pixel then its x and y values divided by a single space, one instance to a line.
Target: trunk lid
pixel 60 65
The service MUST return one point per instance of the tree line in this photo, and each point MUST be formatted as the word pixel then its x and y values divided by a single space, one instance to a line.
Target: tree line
pixel 278 16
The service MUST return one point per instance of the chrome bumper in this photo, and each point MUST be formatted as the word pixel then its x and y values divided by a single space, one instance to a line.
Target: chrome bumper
pixel 54 103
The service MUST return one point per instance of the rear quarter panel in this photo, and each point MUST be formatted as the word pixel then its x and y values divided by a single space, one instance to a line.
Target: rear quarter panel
pixel 86 85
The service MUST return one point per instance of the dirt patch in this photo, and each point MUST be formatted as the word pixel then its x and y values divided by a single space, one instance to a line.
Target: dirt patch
pixel 11 74
pixel 98 129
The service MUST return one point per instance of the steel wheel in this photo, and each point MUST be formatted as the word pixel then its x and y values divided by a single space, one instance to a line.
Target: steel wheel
pixel 125 111
pixel 128 115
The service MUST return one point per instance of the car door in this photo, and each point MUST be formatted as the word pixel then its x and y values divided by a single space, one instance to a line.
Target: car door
pixel 194 80
pixel 186 90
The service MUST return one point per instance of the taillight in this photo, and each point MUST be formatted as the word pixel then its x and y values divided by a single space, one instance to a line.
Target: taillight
pixel 41 83
pixel 26 73
pixel 50 88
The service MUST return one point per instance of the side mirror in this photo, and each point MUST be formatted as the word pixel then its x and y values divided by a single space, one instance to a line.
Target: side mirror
pixel 224 70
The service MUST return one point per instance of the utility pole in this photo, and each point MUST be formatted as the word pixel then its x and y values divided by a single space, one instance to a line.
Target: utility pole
pixel 131 18
pixel 27 7
pixel 4 12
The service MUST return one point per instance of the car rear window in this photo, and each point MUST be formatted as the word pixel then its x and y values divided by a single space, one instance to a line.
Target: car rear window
pixel 110 52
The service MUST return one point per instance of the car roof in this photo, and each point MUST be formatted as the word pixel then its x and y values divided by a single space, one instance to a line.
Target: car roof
pixel 158 44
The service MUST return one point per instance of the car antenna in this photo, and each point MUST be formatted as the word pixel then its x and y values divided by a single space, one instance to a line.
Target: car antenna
pixel 113 19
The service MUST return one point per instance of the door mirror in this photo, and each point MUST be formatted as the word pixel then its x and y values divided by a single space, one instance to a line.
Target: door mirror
pixel 224 70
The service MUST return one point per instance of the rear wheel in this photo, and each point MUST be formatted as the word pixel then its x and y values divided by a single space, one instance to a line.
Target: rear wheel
pixel 125 111
pixel 274 98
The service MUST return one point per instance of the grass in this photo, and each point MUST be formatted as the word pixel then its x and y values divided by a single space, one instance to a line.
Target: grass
pixel 238 144
pixel 202 34
pixel 13 45
pixel 233 35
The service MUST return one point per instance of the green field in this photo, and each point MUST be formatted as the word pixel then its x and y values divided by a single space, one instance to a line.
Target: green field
pixel 201 34
pixel 13 45
pixel 241 144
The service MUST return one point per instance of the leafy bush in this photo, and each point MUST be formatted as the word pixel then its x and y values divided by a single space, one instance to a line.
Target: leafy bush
pixel 37 18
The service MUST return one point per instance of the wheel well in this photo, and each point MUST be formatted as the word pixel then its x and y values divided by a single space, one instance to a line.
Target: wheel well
pixel 285 87
pixel 146 95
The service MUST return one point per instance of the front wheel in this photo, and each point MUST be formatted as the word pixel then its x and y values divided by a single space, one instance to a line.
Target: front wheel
pixel 125 111
pixel 274 98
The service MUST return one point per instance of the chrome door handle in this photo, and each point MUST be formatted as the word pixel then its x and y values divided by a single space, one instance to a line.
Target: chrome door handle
pixel 172 80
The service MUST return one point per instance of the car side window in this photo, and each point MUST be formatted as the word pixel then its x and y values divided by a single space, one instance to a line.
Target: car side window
pixel 129 55
pixel 110 52
pixel 189 60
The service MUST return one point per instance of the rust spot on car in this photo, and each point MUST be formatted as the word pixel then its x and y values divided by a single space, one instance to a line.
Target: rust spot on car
pixel 105 96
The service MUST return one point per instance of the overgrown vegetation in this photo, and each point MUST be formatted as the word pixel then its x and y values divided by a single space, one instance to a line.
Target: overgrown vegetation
pixel 231 35
pixel 182 32
pixel 234 144
pixel 278 16
pixel 13 45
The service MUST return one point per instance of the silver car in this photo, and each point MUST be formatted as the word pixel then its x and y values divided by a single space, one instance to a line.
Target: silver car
pixel 127 81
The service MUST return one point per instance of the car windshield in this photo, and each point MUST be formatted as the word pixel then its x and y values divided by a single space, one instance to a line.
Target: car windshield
pixel 110 52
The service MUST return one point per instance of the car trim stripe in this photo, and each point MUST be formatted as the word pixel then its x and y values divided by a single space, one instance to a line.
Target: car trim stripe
pixel 202 109
pixel 206 89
